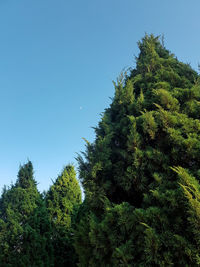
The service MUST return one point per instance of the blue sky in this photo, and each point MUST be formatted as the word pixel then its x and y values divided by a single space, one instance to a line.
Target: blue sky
pixel 57 62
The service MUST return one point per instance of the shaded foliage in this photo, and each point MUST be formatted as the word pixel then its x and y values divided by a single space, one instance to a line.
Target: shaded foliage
pixel 140 176
pixel 24 224
pixel 62 201
pixel 136 201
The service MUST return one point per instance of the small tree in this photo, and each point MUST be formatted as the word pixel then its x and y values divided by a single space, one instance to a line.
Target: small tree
pixel 63 200
pixel 24 225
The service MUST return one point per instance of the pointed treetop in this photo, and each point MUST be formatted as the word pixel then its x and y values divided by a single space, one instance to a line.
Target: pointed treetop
pixel 25 175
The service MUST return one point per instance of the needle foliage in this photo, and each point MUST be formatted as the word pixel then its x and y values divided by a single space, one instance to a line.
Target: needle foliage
pixel 141 179
pixel 62 201
pixel 141 175
pixel 24 224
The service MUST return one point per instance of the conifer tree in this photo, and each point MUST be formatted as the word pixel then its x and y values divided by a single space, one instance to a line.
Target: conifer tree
pixel 24 225
pixel 63 200
pixel 141 175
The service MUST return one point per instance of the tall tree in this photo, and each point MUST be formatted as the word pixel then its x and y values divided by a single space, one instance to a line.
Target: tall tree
pixel 24 225
pixel 141 175
pixel 63 200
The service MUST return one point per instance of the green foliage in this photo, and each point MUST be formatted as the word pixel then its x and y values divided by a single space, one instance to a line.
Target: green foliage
pixel 141 178
pixel 140 211
pixel 63 200
pixel 191 188
pixel 24 224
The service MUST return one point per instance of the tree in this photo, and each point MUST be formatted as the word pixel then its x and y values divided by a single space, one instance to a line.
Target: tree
pixel 24 224
pixel 141 175
pixel 63 200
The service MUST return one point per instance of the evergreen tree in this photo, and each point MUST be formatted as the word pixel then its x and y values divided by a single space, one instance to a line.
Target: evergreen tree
pixel 24 224
pixel 141 175
pixel 63 200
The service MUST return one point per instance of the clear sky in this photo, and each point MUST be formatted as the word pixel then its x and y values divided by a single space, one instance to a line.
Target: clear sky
pixel 57 62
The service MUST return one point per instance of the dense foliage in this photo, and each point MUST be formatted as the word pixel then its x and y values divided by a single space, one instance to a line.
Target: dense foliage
pixel 63 200
pixel 141 175
pixel 24 224
pixel 141 178
pixel 36 230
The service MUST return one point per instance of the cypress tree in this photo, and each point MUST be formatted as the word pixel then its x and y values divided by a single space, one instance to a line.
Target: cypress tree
pixel 24 224
pixel 63 200
pixel 141 175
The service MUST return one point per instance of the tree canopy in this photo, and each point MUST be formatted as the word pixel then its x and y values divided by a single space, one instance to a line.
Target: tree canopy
pixel 141 174
pixel 62 201
pixel 24 224
pixel 141 181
